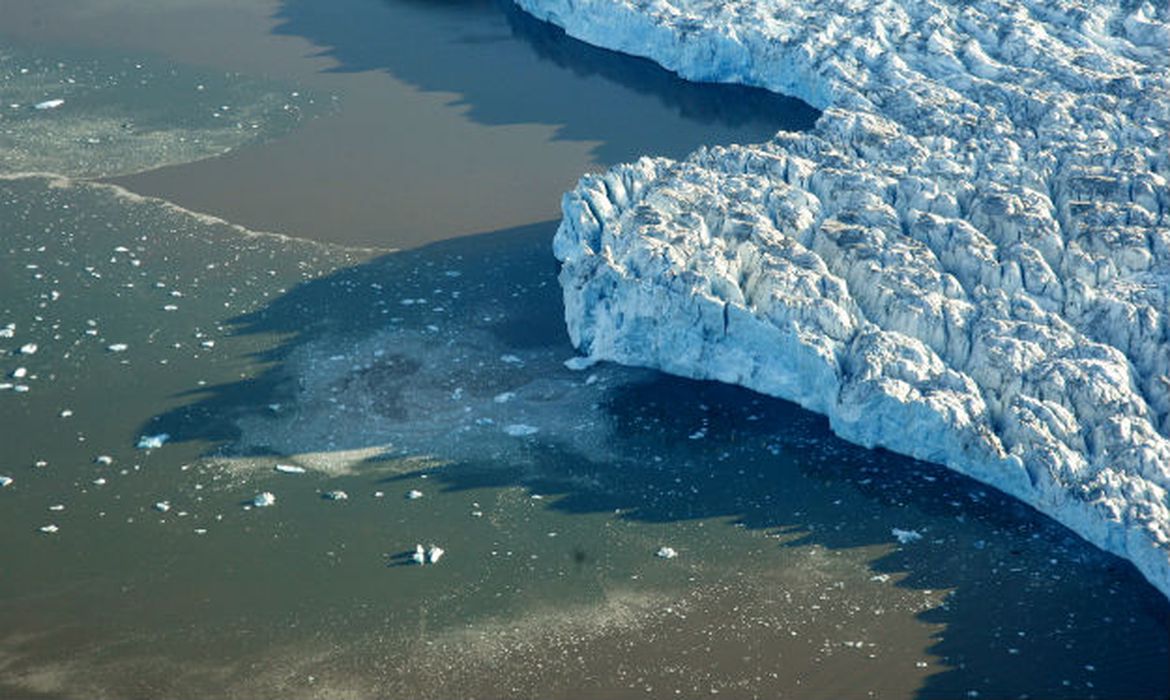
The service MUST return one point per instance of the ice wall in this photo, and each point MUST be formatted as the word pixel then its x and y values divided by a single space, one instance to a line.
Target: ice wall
pixel 966 261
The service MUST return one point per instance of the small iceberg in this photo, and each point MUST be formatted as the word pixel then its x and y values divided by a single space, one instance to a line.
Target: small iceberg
pixel 152 442
pixel 289 469
pixel 162 506
pixel 419 556
pixel 48 529
pixel 335 496
pixel 263 500
pixel 5 481
pixel 434 554
pixel 413 495
pixel 666 553
pixel 521 430
pixel 28 349
pixel 906 536
pixel 49 104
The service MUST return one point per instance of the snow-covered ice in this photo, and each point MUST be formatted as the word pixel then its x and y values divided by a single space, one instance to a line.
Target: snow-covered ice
pixel 966 261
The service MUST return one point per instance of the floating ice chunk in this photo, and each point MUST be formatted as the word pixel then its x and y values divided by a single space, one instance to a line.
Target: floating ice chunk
pixel 666 553
pixel 49 104
pixel 290 469
pixel 336 496
pixel 521 430
pixel 117 347
pixel 263 500
pixel 8 331
pixel 28 349
pixel 414 494
pixel 434 553
pixel 100 481
pixel 162 506
pixel 49 529
pixel 20 388
pixel 207 344
pixel 65 413
pixel 906 536
pixel 504 397
pixel 104 460
pixel 5 386
pixel 153 442
pixel 20 373
pixel 419 556
pixel 57 507
pixel 579 363
pixel 511 360
pixel 5 481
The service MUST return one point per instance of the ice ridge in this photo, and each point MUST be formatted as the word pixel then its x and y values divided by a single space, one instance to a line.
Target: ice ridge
pixel 966 261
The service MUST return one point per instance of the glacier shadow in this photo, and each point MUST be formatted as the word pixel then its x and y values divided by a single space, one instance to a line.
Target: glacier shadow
pixel 760 463
pixel 505 67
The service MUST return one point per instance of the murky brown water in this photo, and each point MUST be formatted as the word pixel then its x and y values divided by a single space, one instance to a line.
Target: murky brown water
pixel 439 369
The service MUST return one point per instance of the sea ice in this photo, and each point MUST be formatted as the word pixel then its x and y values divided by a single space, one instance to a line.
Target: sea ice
pixel 419 556
pixel 966 261
pixel 666 553
pixel 152 442
pixel 906 536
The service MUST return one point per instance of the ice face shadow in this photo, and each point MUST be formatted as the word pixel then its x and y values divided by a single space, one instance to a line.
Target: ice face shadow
pixel 482 51
pixel 471 341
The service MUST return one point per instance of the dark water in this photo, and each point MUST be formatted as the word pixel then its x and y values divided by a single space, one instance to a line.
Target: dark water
pixel 439 369
pixel 461 117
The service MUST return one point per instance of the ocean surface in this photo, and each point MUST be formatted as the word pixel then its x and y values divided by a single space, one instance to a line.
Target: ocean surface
pixel 316 235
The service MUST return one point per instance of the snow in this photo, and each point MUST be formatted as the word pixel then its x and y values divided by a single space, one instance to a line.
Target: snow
pixel 966 261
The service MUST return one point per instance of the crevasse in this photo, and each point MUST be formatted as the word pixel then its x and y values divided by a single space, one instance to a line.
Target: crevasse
pixel 966 261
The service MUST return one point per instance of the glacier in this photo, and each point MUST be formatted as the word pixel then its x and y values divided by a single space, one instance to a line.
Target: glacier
pixel 966 261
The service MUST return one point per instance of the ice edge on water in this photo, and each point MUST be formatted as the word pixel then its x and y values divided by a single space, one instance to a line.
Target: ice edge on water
pixel 966 261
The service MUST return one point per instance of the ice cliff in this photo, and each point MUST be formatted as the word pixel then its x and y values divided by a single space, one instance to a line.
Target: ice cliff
pixel 966 261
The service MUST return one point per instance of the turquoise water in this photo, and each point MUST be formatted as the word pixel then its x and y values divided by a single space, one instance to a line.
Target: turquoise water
pixel 440 370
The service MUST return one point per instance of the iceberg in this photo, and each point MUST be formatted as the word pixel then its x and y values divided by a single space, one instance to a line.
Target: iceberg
pixel 966 261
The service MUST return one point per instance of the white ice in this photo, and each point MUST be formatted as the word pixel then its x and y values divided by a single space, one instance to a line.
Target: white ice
pixel 966 261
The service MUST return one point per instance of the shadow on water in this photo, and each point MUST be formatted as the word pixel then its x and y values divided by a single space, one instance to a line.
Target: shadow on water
pixel 480 50
pixel 1024 589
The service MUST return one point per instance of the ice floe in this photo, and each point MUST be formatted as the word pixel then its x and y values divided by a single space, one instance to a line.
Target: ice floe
pixel 966 261
pixel 264 499
pixel 152 442
pixel 666 553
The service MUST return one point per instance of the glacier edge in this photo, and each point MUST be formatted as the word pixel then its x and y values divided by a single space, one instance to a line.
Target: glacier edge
pixel 966 261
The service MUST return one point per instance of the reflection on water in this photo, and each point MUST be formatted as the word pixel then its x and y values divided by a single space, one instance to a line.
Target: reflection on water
pixel 456 118
pixel 481 51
